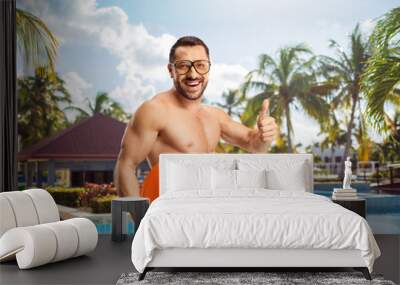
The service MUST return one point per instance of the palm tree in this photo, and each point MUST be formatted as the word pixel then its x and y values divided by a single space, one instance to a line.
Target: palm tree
pixel 289 82
pixel 39 115
pixel 223 147
pixel 311 149
pixel 233 99
pixel 102 104
pixel 281 145
pixel 346 70
pixel 37 45
pixel 394 124
pixel 364 141
pixel 389 150
pixel 381 79
pixel 335 136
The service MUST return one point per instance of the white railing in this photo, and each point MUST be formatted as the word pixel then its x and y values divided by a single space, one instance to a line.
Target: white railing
pixel 369 171
pixel 364 169
pixel 327 169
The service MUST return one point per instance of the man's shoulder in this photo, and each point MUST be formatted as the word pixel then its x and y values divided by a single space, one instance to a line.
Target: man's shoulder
pixel 151 111
pixel 153 105
pixel 211 108
pixel 161 98
pixel 216 111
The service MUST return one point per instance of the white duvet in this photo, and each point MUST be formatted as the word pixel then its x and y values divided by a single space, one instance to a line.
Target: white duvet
pixel 252 218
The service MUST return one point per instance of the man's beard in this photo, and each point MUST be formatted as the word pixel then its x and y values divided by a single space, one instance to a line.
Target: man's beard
pixel 182 92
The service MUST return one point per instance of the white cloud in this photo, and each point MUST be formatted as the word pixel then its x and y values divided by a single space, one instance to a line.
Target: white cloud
pixel 77 87
pixel 142 56
pixel 305 129
pixel 223 77
pixel 132 93
pixel 367 26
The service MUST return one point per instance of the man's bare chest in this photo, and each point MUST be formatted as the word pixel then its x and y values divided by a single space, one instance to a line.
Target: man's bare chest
pixel 188 132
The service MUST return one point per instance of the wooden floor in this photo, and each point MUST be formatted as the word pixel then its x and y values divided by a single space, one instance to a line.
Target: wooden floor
pixel 110 259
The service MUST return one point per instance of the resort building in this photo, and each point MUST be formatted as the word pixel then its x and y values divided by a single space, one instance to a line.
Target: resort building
pixel 84 152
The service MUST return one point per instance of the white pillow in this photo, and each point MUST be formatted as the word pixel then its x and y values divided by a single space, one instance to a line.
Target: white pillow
pixel 188 177
pixel 223 179
pixel 223 163
pixel 251 178
pixel 291 179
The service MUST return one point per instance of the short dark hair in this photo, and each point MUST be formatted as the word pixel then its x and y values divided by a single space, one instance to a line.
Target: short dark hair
pixel 186 41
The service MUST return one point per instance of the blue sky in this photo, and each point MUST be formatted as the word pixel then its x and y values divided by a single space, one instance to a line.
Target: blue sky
pixel 121 47
pixel 238 30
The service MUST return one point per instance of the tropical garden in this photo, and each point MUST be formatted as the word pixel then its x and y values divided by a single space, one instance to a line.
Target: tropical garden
pixel 349 94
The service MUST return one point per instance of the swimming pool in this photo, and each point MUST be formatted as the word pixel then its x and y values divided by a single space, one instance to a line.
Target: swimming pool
pixel 383 210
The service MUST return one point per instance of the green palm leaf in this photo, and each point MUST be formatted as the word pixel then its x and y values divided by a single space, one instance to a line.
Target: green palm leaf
pixel 288 81
pixel 35 41
pixel 343 72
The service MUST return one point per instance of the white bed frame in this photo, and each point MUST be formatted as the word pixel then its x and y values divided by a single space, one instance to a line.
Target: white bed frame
pixel 246 258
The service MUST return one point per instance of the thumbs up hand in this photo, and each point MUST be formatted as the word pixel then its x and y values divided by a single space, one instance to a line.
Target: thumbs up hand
pixel 266 125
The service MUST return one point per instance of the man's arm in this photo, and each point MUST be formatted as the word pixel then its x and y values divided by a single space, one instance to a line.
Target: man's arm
pixel 139 137
pixel 256 140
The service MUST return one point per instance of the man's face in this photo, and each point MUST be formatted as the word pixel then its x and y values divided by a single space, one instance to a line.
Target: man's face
pixel 192 84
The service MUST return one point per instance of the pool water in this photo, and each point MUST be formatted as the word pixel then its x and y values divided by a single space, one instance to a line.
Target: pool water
pixel 383 210
pixel 361 187
pixel 103 223
pixel 107 228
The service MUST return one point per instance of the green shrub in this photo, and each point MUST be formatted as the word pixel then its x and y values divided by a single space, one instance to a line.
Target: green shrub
pixel 102 204
pixel 70 197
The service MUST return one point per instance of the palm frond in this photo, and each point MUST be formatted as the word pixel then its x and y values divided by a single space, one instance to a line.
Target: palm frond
pixel 35 41
pixel 81 111
pixel 382 72
pixel 386 29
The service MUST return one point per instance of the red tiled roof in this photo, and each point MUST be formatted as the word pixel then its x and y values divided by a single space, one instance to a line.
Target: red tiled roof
pixel 97 137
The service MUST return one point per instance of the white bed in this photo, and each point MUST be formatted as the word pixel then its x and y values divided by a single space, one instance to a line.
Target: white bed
pixel 247 210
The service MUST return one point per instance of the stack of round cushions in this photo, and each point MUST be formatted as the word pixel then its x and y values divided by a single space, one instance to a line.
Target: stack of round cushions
pixel 31 230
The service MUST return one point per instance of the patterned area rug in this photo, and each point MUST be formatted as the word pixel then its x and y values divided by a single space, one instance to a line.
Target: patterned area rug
pixel 230 278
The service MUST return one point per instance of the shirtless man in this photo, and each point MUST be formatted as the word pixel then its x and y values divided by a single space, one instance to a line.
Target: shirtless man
pixel 177 121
